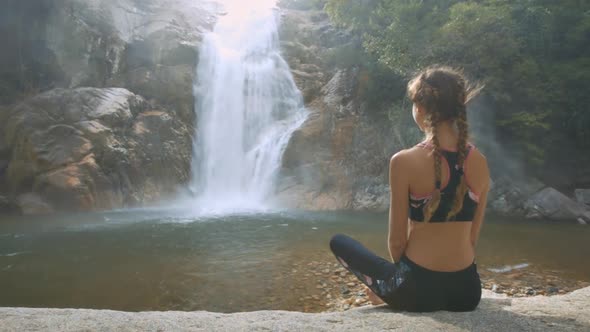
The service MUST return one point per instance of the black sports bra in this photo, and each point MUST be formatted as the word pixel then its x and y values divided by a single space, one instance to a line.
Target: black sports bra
pixel 448 189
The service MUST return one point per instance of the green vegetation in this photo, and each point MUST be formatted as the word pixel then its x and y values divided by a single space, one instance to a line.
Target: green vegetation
pixel 532 55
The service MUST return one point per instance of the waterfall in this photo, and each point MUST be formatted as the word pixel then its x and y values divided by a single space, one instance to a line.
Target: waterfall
pixel 247 107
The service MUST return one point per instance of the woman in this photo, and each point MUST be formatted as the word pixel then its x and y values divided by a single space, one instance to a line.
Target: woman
pixel 438 198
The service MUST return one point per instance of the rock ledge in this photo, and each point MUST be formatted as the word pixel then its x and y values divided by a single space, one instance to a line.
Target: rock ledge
pixel 568 312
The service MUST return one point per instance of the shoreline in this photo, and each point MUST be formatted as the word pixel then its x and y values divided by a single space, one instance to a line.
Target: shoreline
pixel 339 290
pixel 568 312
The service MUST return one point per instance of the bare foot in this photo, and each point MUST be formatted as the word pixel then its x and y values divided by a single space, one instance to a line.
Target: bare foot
pixel 374 299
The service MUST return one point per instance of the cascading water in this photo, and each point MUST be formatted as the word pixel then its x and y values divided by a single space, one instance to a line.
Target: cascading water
pixel 247 108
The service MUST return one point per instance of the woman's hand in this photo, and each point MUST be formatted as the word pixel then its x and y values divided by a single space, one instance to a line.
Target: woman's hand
pixel 374 299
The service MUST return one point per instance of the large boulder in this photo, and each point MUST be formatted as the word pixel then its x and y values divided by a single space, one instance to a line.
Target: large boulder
pixel 551 204
pixel 90 148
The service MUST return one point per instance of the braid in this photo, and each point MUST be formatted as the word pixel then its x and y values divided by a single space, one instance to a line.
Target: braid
pixel 434 202
pixel 462 154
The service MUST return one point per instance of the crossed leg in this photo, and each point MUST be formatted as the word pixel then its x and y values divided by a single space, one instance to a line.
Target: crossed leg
pixel 370 269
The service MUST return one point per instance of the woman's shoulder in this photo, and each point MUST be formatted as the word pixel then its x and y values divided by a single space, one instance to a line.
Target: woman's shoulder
pixel 476 169
pixel 406 156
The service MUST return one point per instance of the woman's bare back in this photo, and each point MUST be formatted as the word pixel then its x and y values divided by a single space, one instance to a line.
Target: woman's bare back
pixel 444 246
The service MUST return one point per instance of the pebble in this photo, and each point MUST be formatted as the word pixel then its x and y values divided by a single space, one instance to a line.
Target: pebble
pixel 351 284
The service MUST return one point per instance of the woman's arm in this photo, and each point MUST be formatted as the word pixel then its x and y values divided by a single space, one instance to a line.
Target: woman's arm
pixel 478 218
pixel 398 205
pixel 483 173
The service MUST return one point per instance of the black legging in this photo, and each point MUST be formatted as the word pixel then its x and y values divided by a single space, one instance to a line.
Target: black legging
pixel 404 285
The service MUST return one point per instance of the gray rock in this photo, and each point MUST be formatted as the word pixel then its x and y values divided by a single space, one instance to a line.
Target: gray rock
pixel 568 312
pixel 551 204
pixel 583 196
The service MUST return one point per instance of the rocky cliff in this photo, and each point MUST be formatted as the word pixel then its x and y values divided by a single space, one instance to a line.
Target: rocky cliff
pixel 96 101
pixel 339 157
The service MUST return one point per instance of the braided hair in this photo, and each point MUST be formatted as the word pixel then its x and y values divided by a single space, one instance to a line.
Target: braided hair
pixel 444 93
